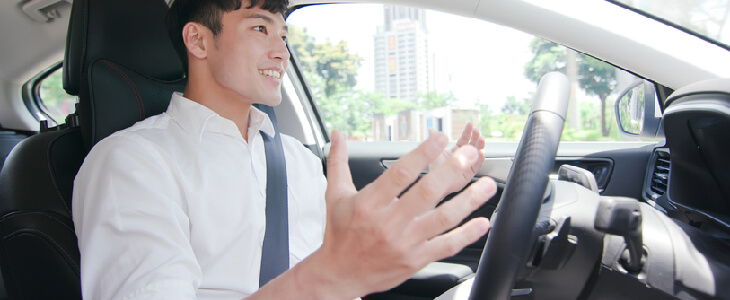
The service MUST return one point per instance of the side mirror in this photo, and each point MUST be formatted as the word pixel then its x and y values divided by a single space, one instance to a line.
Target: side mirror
pixel 635 110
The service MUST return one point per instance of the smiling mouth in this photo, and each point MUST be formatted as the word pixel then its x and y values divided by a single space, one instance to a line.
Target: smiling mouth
pixel 271 73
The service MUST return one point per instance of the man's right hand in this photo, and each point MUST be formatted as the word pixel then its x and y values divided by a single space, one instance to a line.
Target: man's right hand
pixel 375 240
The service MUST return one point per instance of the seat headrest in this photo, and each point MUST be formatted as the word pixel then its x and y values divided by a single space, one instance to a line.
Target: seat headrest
pixel 129 32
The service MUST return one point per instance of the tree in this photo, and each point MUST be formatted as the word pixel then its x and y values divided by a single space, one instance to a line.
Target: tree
pixel 547 57
pixel 485 120
pixel 332 62
pixel 596 77
pixel 387 106
pixel 513 106
pixel 433 99
pixel 330 71
pixel 337 66
pixel 54 99
pixel 347 112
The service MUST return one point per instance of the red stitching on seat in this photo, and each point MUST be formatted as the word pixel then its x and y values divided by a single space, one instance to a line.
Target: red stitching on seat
pixel 132 85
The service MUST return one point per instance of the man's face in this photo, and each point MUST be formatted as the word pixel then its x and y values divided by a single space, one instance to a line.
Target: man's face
pixel 250 56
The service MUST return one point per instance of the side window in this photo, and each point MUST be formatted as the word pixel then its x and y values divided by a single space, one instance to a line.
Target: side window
pixel 54 104
pixel 390 73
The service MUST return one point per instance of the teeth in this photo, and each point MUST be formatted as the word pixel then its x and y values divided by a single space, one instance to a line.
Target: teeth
pixel 270 73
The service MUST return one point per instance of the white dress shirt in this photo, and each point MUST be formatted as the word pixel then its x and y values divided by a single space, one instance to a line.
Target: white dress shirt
pixel 174 207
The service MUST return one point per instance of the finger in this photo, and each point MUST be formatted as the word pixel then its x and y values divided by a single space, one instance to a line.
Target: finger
pixel 475 168
pixel 452 212
pixel 475 138
pixel 431 131
pixel 482 142
pixel 482 154
pixel 425 194
pixel 406 170
pixel 339 179
pixel 449 244
pixel 465 135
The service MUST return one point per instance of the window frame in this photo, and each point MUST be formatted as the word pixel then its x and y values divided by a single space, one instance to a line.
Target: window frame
pixel 31 94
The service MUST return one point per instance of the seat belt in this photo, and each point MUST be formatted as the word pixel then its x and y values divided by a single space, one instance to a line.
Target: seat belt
pixel 275 250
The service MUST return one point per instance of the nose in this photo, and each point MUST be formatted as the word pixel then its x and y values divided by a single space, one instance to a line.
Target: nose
pixel 279 50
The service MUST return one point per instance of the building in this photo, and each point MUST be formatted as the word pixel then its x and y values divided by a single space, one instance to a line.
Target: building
pixel 403 70
pixel 403 63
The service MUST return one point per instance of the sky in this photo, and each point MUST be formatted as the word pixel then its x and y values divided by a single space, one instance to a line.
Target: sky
pixel 470 54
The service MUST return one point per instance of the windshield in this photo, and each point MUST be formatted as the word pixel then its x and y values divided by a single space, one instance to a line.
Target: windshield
pixel 390 73
pixel 707 18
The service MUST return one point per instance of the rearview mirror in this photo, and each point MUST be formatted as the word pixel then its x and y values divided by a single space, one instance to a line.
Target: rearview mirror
pixel 635 110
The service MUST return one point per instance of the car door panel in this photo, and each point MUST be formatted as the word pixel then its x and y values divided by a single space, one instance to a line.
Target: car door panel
pixel 621 164
pixel 625 162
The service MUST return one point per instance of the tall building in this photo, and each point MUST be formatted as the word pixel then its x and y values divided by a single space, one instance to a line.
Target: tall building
pixel 404 68
pixel 403 64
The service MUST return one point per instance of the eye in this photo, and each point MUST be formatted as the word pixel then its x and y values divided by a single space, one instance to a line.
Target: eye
pixel 261 29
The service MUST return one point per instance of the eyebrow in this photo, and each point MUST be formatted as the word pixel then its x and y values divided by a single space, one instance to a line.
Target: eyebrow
pixel 258 15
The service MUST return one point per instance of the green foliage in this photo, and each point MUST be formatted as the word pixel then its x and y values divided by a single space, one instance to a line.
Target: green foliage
pixel 389 106
pixel 52 91
pixel 432 99
pixel 591 125
pixel 57 103
pixel 485 126
pixel 500 126
pixel 337 66
pixel 510 125
pixel 332 62
pixel 330 71
pixel 516 107
pixel 596 77
pixel 547 57
pixel 348 112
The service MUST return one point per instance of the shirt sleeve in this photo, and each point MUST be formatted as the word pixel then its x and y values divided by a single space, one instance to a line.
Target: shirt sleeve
pixel 132 224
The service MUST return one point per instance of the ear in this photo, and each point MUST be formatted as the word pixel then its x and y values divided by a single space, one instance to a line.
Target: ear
pixel 194 39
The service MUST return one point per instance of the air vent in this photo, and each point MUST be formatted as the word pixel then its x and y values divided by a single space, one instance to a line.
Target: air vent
pixel 660 175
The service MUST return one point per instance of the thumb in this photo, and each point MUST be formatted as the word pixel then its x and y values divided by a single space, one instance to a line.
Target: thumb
pixel 339 179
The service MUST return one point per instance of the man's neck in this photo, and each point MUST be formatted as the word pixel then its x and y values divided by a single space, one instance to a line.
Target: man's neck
pixel 221 102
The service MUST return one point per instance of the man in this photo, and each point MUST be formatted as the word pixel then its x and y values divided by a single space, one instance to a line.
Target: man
pixel 173 207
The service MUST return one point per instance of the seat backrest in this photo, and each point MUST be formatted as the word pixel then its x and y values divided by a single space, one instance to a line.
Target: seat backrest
pixel 39 255
pixel 120 62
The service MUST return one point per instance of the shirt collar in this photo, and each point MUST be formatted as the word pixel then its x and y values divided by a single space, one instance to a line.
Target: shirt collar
pixel 195 119
pixel 260 121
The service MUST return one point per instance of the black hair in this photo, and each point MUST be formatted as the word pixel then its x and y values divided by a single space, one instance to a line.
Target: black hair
pixel 208 13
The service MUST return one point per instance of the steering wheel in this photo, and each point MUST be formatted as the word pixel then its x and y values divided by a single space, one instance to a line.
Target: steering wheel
pixel 514 219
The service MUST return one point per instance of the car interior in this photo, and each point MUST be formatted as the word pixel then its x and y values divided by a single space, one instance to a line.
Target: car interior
pixel 119 81
pixel 635 220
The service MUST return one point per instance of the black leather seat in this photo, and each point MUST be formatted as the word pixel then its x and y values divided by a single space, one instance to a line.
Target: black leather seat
pixel 8 140
pixel 121 64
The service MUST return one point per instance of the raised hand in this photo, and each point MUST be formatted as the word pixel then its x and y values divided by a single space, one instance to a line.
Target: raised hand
pixel 470 136
pixel 375 240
